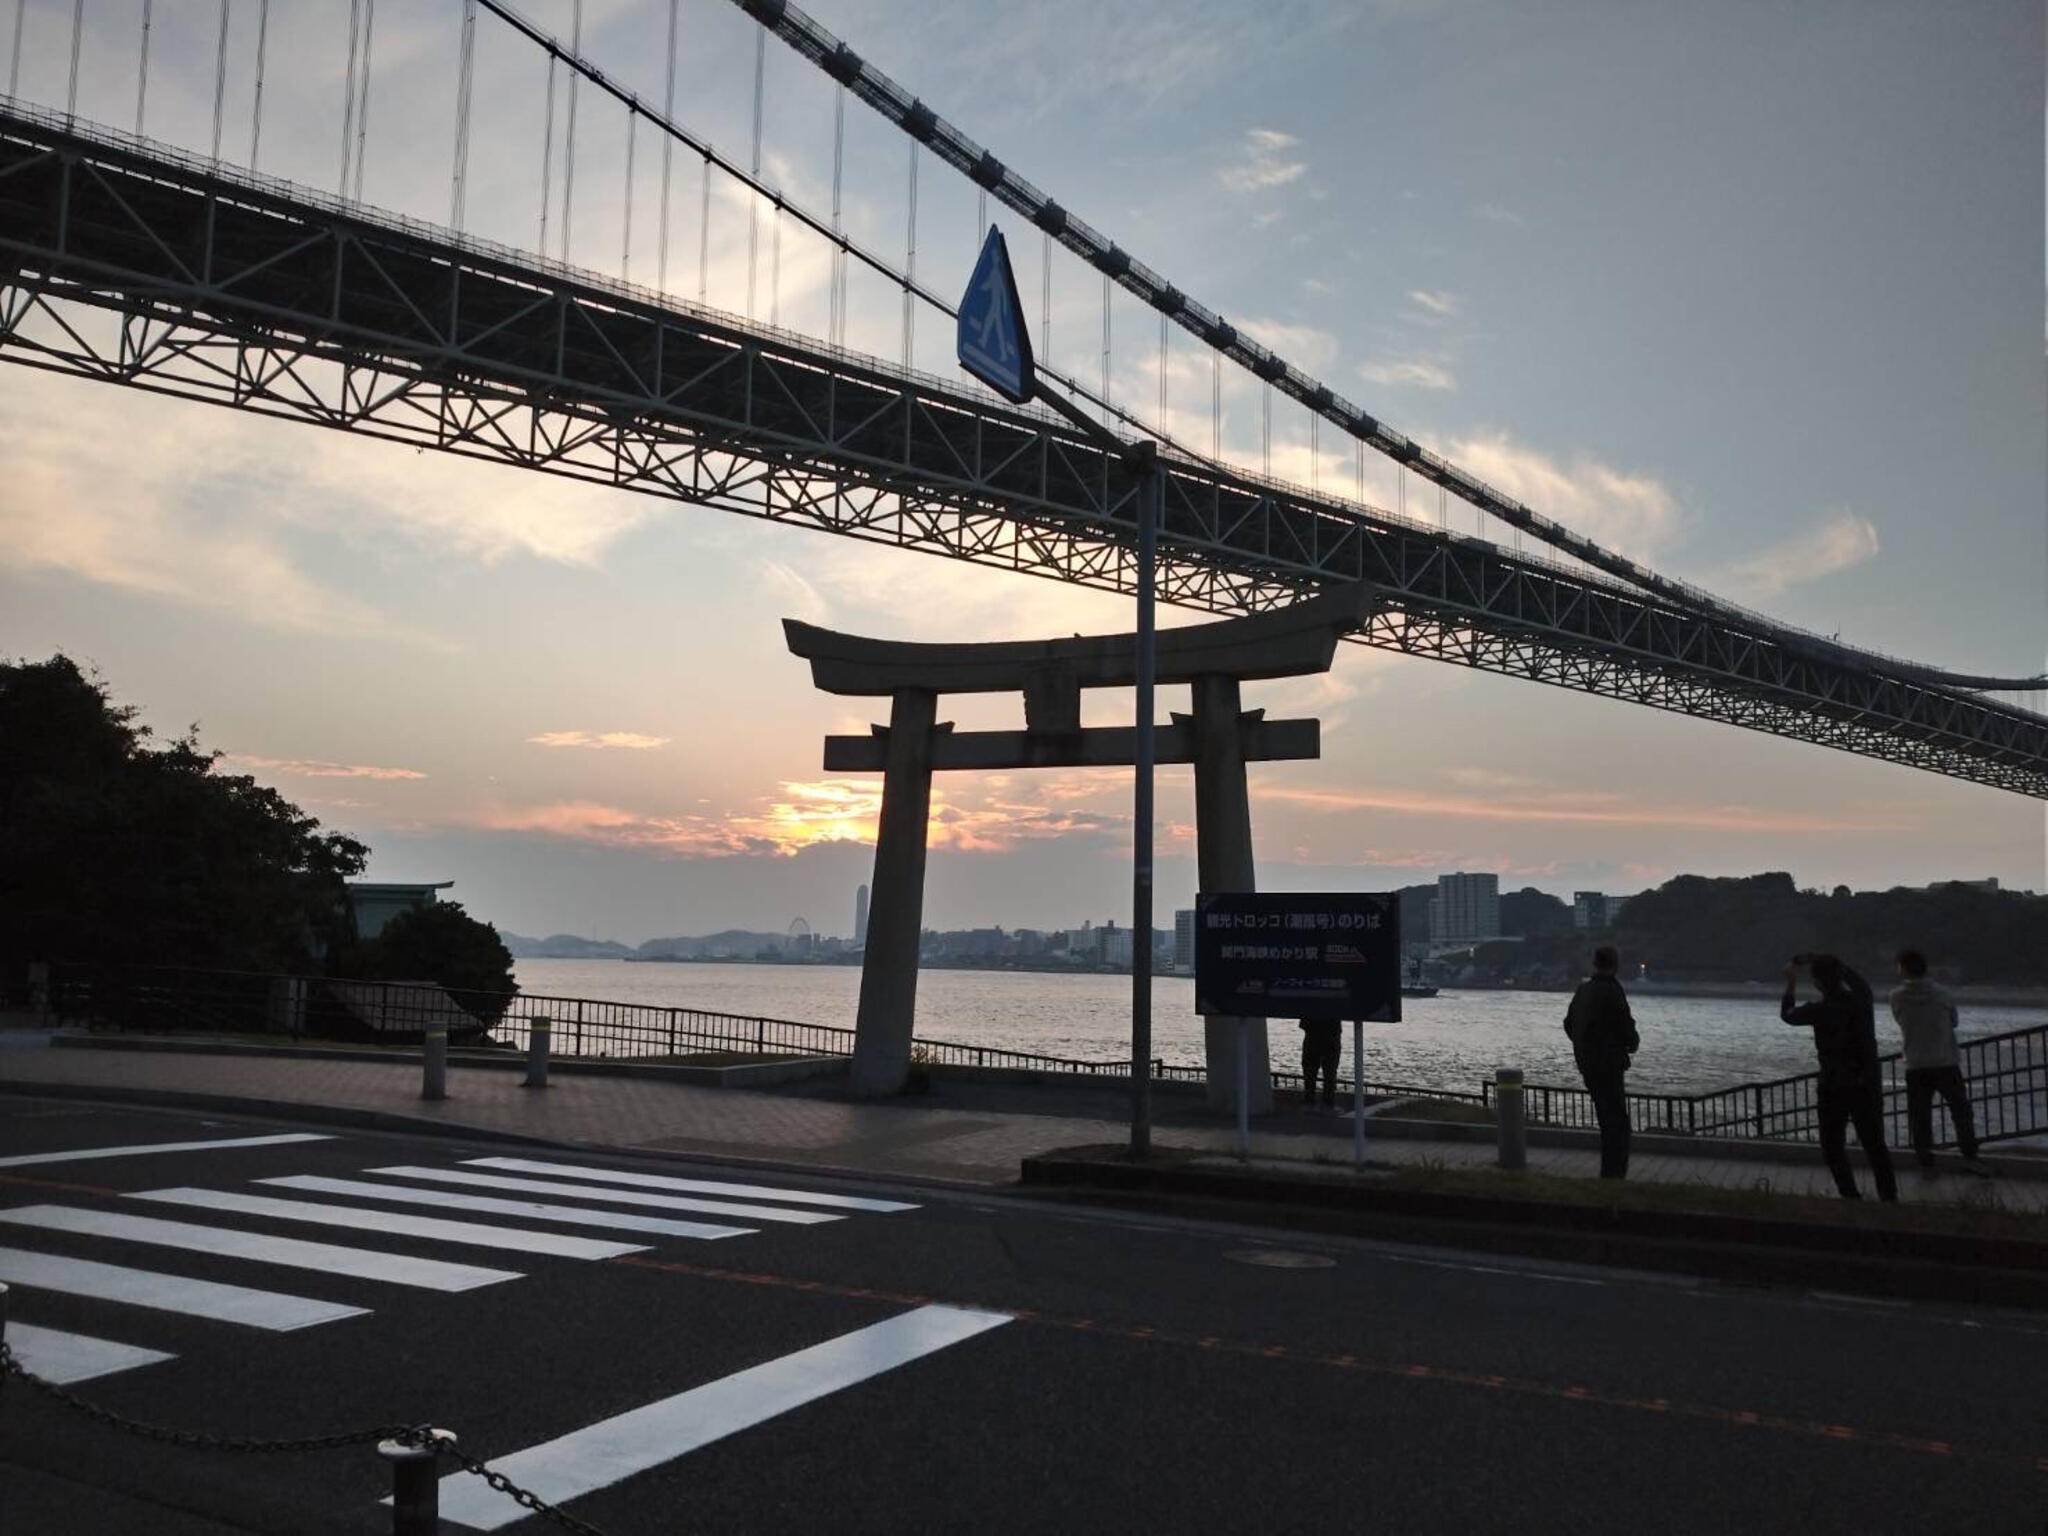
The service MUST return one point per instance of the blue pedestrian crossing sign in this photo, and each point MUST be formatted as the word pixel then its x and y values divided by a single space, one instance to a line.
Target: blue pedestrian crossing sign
pixel 993 344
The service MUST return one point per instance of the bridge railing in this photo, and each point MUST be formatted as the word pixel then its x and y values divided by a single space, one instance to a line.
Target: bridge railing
pixel 2007 1073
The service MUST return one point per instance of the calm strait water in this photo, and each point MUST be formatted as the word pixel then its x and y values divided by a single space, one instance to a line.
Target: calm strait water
pixel 1453 1040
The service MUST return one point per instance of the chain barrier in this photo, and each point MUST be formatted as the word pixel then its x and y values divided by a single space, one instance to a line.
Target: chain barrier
pixel 415 1435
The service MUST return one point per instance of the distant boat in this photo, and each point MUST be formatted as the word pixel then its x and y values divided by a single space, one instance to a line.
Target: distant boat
pixel 1416 989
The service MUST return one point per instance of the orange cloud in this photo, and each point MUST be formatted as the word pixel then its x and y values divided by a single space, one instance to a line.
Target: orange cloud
pixel 308 768
pixel 1597 809
pixel 587 821
pixel 631 741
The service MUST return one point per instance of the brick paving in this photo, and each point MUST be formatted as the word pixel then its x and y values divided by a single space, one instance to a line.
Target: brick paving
pixel 952 1134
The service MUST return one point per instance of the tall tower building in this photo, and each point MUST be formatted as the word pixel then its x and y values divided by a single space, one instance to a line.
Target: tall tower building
pixel 1465 909
pixel 860 918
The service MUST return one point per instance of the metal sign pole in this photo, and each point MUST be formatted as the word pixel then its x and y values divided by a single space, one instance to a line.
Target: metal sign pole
pixel 1244 1090
pixel 1358 1093
pixel 1148 487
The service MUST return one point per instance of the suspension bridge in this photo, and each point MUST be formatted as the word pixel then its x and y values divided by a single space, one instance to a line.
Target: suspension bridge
pixel 164 252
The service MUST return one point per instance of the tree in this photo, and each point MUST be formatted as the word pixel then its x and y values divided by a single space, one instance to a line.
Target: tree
pixel 441 943
pixel 116 851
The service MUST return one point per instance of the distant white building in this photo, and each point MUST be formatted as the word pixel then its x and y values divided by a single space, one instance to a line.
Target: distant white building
pixel 1465 910
pixel 1116 946
pixel 1183 941
pixel 860 918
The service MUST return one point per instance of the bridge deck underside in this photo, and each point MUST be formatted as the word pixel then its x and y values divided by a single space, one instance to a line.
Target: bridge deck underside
pixel 150 270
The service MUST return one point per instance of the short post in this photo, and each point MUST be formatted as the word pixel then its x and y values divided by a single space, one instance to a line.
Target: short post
pixel 1358 1093
pixel 1244 1091
pixel 3 1313
pixel 1511 1115
pixel 537 1051
pixel 416 1483
pixel 435 1058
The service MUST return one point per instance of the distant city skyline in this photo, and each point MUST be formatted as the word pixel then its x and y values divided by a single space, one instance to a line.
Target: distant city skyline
pixel 1753 295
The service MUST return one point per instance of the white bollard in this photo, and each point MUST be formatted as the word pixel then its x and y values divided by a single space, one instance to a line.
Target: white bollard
pixel 435 1059
pixel 415 1484
pixel 1511 1115
pixel 537 1038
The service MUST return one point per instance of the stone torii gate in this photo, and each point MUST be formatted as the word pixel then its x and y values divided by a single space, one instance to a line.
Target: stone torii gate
pixel 1219 738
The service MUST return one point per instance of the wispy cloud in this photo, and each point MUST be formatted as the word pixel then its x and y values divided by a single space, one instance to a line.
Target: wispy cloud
pixel 1434 301
pixel 1266 159
pixel 631 741
pixel 1408 372
pixel 1494 213
pixel 310 768
pixel 1605 810
pixel 1632 512
pixel 1306 346
pixel 1841 543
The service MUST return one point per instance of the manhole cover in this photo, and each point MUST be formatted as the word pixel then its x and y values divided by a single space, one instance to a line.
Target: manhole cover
pixel 1280 1258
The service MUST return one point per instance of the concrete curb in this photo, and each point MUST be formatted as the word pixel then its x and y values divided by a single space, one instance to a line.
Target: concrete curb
pixel 1916 1265
pixel 355 1118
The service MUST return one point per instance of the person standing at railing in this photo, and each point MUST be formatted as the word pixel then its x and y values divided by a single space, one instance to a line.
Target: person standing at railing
pixel 1322 1047
pixel 1926 1016
pixel 1844 1025
pixel 1604 1043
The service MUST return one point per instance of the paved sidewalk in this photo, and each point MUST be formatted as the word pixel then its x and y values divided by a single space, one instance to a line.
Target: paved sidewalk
pixel 961 1132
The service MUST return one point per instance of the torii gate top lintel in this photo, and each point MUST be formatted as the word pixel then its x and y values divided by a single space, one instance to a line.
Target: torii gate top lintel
pixel 1282 642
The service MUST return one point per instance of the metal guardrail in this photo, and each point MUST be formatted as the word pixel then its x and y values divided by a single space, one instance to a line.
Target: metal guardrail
pixel 2007 1073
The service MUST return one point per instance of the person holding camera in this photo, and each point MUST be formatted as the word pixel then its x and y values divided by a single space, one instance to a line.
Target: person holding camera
pixel 1844 1025
pixel 1604 1041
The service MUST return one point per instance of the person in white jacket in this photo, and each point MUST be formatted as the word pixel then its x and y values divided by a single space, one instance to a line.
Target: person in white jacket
pixel 1926 1016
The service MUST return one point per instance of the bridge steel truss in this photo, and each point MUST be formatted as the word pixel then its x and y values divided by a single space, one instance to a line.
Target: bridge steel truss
pixel 131 263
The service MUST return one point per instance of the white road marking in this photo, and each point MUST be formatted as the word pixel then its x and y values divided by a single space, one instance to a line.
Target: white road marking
pixel 690 1186
pixel 560 1245
pixel 169 1293
pixel 1489 1269
pixel 161 1146
pixel 613 1196
pixel 604 1453
pixel 328 1258
pixel 63 1358
pixel 532 1210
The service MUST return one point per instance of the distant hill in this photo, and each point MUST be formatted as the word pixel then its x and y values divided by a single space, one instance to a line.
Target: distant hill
pixel 562 946
pixel 737 942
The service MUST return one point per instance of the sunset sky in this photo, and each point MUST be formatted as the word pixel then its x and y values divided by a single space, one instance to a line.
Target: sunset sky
pixel 1752 292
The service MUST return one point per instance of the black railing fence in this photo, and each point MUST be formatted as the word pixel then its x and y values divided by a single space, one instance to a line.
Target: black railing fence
pixel 2007 1073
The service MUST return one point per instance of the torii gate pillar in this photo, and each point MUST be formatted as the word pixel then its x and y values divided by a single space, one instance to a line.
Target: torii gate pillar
pixel 1223 859
pixel 888 973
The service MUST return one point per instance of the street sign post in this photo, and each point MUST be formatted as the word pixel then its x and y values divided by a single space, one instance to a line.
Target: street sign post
pixel 992 343
pixel 1292 955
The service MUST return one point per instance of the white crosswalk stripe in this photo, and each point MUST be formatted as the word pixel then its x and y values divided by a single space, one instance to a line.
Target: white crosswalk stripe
pixel 295 1253
pixel 532 1210
pixel 269 1310
pixel 603 1453
pixel 560 1245
pixel 615 1196
pixel 86 1154
pixel 689 1186
pixel 64 1358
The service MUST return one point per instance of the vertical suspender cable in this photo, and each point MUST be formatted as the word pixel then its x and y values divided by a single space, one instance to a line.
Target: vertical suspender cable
pixel 754 197
pixel 348 93
pixel 1105 349
pixel 220 79
pixel 1216 406
pixel 569 132
pixel 836 330
pixel 1315 454
pixel 1361 471
pixel 547 159
pixel 980 216
pixel 465 75
pixel 1401 489
pixel 1266 431
pixel 775 262
pixel 668 144
pixel 142 70
pixel 910 264
pixel 1162 376
pixel 363 104
pixel 77 31
pixel 1045 297
pixel 704 235
pixel 626 238
pixel 14 62
pixel 256 114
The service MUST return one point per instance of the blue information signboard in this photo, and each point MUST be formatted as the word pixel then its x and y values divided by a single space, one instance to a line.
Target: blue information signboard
pixel 992 343
pixel 1293 955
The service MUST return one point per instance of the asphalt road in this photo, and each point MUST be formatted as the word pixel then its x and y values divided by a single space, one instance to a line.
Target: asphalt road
pixel 966 1362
